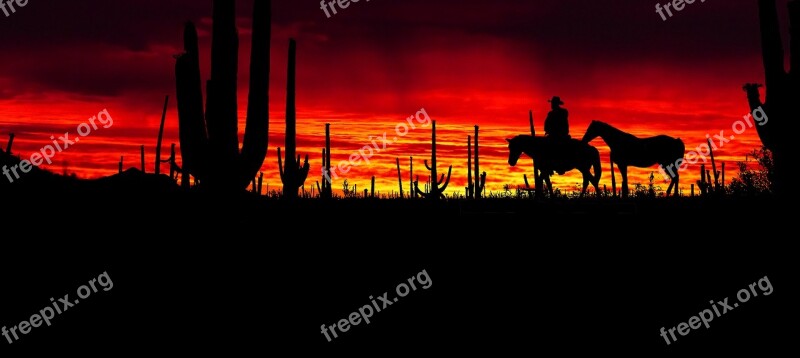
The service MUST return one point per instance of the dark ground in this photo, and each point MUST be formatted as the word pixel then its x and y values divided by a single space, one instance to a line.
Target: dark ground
pixel 195 273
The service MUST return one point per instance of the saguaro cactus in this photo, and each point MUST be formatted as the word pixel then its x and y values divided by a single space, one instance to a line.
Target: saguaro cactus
pixel 480 179
pixel 325 191
pixel 399 177
pixel 171 161
pixel 160 137
pixel 10 143
pixel 437 187
pixel 470 185
pixel 293 175
pixel 209 140
pixel 783 88
pixel 713 165
pixel 412 194
pixel 480 183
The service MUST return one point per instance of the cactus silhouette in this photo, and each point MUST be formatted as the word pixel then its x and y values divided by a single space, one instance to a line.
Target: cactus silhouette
pixel 399 177
pixel 477 187
pixel 782 87
pixel 412 194
pixel 10 143
pixel 325 191
pixel 437 187
pixel 209 140
pixel 469 189
pixel 293 175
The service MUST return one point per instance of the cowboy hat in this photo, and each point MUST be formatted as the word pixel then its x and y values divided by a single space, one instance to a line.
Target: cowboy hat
pixel 555 100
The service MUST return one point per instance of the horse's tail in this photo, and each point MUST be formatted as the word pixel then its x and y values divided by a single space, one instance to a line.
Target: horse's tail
pixel 598 168
pixel 681 148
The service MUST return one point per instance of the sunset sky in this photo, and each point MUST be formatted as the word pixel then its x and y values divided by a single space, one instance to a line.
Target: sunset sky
pixel 367 68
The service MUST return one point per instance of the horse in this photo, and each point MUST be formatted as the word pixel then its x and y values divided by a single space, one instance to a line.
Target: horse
pixel 629 150
pixel 581 156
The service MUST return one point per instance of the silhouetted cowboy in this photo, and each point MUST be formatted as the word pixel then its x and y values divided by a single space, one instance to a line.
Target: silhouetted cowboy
pixel 556 128
pixel 556 125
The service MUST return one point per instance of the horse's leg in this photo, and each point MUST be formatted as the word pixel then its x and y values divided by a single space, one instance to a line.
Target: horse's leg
pixel 549 185
pixel 546 186
pixel 674 182
pixel 623 171
pixel 586 176
pixel 671 185
pixel 595 179
pixel 540 178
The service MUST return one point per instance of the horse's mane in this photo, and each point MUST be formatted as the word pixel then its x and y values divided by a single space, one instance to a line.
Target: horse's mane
pixel 615 129
pixel 523 137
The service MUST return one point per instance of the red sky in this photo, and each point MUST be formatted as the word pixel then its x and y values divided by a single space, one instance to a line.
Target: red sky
pixel 375 63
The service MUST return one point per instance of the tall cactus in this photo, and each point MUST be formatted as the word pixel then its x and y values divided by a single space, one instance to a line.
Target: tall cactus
pixel 160 137
pixel 325 191
pixel 782 88
pixel 437 187
pixel 209 140
pixel 10 143
pixel 480 179
pixel 470 185
pixel 411 193
pixel 293 175
pixel 399 178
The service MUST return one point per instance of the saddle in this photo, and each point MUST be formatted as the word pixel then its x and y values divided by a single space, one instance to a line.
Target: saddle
pixel 562 149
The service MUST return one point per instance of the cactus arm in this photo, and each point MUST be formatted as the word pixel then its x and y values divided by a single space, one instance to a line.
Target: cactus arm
pixel 419 192
pixel 303 175
pixel 794 33
pixel 221 104
pixel 256 138
pixel 428 166
pixel 447 182
pixel 280 166
pixel 191 121
pixel 771 45
pixel 291 111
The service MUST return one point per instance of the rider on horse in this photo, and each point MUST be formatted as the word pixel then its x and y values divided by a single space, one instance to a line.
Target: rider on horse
pixel 556 128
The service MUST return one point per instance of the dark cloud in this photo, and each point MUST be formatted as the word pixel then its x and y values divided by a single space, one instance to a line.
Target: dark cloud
pixel 105 47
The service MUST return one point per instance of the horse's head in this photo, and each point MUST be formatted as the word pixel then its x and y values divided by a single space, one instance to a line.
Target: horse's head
pixel 592 132
pixel 514 150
